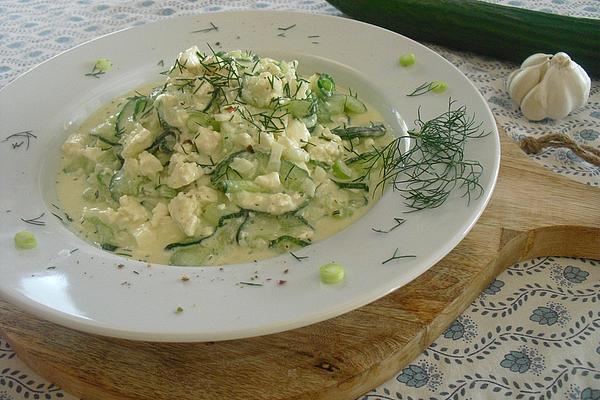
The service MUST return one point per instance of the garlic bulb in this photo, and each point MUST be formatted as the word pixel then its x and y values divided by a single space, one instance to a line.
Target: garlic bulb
pixel 549 86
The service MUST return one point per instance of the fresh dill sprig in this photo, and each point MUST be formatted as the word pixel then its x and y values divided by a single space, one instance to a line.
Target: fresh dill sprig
pixel 434 166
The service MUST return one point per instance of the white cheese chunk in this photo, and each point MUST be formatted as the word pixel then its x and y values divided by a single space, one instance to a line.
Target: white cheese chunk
pixel 292 150
pixel 269 181
pixel 325 151
pixel 149 164
pixel 183 210
pixel 207 141
pixel 183 173
pixel 261 89
pixel 131 211
pixel 296 131
pixel 272 203
pixel 137 141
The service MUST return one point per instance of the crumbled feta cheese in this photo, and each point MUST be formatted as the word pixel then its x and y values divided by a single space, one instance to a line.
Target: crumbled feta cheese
pixel 149 164
pixel 190 61
pixel 269 181
pixel 183 210
pixel 261 89
pixel 292 150
pixel 207 141
pixel 131 166
pixel 296 131
pixel 325 151
pixel 182 173
pixel 243 140
pixel 272 203
pixel 131 210
pixel 137 141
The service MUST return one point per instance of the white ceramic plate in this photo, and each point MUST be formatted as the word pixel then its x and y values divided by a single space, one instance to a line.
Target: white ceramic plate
pixel 73 283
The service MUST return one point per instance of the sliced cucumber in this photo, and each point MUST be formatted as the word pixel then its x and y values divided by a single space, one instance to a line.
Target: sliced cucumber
pixel 341 170
pixel 375 129
pixel 287 243
pixel 336 104
pixel 302 108
pixel 261 229
pixel 126 117
pixel 210 247
pixel 121 184
pixel 354 105
pixel 199 118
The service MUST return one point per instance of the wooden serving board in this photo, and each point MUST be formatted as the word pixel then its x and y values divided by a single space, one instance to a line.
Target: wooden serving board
pixel 533 213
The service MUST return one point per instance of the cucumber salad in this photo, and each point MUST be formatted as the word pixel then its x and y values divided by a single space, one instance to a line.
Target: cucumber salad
pixel 232 158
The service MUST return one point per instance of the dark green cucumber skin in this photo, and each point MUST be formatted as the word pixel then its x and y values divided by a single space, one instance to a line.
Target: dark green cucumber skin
pixel 503 32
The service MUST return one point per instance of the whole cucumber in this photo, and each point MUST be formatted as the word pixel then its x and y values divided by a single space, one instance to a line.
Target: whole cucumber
pixel 504 32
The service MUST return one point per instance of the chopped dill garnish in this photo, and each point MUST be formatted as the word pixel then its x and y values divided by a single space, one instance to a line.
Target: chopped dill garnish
pixel 396 257
pixel 212 27
pixel 298 258
pixel 251 283
pixel 35 221
pixel 287 28
pixel 399 221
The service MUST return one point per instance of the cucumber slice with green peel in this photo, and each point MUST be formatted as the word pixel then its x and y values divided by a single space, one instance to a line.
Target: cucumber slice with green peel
pixel 261 228
pixel 199 118
pixel 341 170
pixel 191 256
pixel 375 129
pixel 336 104
pixel 323 114
pixel 310 121
pixel 354 105
pixel 121 184
pixel 218 243
pixel 292 177
pixel 302 108
pixel 126 117
pixel 287 243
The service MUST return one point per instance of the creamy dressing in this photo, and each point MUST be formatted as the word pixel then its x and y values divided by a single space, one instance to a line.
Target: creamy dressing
pixel 143 230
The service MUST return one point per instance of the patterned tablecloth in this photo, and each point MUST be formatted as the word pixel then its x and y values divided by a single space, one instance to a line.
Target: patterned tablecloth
pixel 534 333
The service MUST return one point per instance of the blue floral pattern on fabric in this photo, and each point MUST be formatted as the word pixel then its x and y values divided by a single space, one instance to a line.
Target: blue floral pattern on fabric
pixel 413 376
pixel 544 316
pixel 516 361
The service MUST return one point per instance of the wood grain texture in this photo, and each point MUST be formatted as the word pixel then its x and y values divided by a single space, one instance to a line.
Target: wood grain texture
pixel 533 212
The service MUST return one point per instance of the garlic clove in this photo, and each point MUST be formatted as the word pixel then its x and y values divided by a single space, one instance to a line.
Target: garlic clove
pixel 566 91
pixel 533 105
pixel 536 59
pixel 524 80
